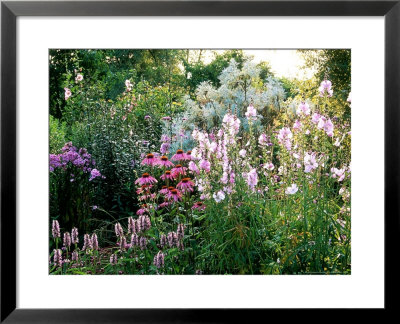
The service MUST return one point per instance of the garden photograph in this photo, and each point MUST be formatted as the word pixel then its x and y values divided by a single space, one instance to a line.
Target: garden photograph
pixel 199 162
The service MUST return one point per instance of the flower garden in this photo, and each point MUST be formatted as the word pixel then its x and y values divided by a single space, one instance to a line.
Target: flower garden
pixel 179 171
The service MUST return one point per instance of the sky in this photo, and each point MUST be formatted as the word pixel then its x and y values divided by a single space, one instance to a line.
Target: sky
pixel 284 63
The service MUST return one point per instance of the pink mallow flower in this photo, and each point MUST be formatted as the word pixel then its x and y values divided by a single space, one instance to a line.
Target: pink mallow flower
pixel 219 196
pixel 199 206
pixel 251 113
pixel 297 125
pixel 291 190
pixel 310 162
pixel 205 165
pixel 338 173
pixel 326 125
pixel 303 109
pixel 284 137
pixel 146 179
pixel 252 179
pixel 326 86
pixel 185 185
pixel 193 167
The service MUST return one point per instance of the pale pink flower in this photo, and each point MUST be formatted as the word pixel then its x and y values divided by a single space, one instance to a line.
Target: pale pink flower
pixel 297 125
pixel 242 153
pixel 128 85
pixel 263 139
pixel 315 118
pixel 219 196
pixel 252 179
pixel 67 93
pixel 310 162
pixel 338 173
pixel 303 109
pixel 269 166
pixel 193 167
pixel 349 97
pixel 79 77
pixel 205 165
pixel 251 113
pixel 291 190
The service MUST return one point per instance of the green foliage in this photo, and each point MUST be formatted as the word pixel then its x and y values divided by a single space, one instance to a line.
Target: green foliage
pixel 57 135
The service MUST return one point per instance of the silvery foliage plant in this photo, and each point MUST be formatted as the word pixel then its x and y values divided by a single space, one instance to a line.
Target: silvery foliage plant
pixel 239 88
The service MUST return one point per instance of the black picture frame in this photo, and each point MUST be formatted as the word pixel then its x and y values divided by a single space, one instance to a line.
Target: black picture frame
pixel 10 10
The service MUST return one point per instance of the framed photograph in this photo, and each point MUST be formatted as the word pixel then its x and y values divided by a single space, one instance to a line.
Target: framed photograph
pixel 189 160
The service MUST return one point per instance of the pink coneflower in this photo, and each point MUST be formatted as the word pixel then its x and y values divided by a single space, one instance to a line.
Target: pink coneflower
pixel 188 155
pixel 166 118
pixel 185 185
pixel 164 162
pixel 179 169
pixel 199 206
pixel 74 236
pixel 168 175
pixel 144 189
pixel 164 190
pixel 146 179
pixel 142 210
pixel 174 194
pixel 164 204
pixel 179 155
pixel 150 160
